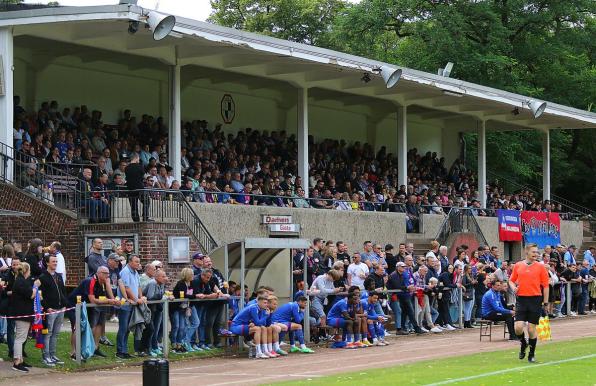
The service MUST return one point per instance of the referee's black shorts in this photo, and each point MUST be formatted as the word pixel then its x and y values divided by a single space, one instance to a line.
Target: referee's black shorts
pixel 528 309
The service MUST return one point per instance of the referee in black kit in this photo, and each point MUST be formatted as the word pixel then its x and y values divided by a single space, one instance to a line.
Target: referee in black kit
pixel 529 281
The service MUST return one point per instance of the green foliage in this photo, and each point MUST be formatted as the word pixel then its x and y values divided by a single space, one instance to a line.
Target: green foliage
pixel 543 48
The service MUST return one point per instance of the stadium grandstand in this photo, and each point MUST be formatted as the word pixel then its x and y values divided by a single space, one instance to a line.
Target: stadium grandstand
pixel 206 177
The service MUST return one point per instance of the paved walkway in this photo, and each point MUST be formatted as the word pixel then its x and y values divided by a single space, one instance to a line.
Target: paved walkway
pixel 240 371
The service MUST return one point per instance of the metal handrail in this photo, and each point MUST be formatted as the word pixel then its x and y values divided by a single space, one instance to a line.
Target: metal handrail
pixel 572 206
pixel 459 220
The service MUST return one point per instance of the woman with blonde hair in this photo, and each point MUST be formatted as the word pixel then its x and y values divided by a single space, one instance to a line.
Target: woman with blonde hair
pixel 21 308
pixel 183 314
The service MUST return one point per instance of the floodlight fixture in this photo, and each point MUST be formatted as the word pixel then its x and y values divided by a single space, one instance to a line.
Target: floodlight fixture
pixel 537 107
pixel 133 27
pixel 161 25
pixel 365 78
pixel 446 72
pixel 390 75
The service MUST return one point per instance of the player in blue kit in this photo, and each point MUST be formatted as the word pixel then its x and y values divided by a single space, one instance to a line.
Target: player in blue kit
pixel 288 317
pixel 374 321
pixel 341 315
pixel 252 321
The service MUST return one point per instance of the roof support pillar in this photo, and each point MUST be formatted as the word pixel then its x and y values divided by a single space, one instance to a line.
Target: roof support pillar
pixel 6 102
pixel 482 163
pixel 546 165
pixel 402 145
pixel 175 129
pixel 302 111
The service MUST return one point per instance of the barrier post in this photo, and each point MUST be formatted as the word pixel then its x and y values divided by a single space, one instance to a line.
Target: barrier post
pixel 568 297
pixel 78 333
pixel 164 326
pixel 461 308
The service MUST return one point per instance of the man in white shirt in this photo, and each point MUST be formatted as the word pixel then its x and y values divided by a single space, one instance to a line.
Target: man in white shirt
pixel 357 272
pixel 55 248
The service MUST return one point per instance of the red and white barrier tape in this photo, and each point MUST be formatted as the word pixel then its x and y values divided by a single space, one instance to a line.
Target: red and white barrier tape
pixel 34 315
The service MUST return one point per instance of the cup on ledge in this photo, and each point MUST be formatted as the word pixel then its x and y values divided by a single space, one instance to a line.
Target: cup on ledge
pixel 181 294
pixel 79 299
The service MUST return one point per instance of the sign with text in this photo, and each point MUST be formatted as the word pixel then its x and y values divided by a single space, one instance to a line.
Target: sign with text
pixel 276 219
pixel 541 228
pixel 509 225
pixel 284 228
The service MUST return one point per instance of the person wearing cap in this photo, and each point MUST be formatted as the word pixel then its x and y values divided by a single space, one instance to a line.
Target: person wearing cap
pixel 114 264
pixel 197 263
pixel 569 256
pixel 402 281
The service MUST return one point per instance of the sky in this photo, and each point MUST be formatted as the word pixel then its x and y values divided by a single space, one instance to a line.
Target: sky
pixel 193 9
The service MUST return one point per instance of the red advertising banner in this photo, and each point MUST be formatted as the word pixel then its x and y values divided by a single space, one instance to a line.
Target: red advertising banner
pixel 542 228
pixel 509 225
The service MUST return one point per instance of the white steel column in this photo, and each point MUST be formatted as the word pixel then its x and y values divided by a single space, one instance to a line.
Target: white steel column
pixel 6 101
pixel 546 165
pixel 482 163
pixel 302 111
pixel 175 129
pixel 402 145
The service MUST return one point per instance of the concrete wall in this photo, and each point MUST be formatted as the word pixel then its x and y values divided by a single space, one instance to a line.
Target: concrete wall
pixel 572 232
pixel 228 223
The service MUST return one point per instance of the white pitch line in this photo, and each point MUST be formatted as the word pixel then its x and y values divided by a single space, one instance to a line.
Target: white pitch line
pixel 521 368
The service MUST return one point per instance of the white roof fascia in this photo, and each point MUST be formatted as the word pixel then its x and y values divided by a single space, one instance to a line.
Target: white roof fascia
pixel 233 37
pixel 69 14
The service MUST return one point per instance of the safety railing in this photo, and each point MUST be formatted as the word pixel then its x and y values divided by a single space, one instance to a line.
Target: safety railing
pixel 570 207
pixel 164 322
pixel 460 220
pixel 49 184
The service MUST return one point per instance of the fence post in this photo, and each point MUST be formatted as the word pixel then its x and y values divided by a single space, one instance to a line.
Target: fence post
pixel 78 333
pixel 164 324
pixel 461 307
pixel 568 297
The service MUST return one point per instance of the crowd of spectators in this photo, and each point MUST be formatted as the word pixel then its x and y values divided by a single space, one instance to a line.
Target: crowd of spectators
pixel 359 292
pixel 250 167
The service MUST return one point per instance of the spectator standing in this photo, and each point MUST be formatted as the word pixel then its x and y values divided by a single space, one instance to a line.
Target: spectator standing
pixel 468 283
pixel 589 256
pixel 96 258
pixel 390 258
pixel 216 307
pixel 56 250
pixel 154 290
pixel 569 256
pixel 402 280
pixel 134 181
pixel 147 276
pixel 23 293
pixel 34 257
pixel 357 272
pixel 133 293
pixel 54 300
pixel 584 274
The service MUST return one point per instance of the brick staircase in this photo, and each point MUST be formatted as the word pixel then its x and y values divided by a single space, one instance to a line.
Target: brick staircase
pixel 421 244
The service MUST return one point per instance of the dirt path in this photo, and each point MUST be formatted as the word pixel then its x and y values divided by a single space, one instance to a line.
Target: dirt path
pixel 240 371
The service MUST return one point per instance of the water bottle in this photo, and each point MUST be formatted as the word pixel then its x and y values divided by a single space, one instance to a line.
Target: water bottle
pixel 252 352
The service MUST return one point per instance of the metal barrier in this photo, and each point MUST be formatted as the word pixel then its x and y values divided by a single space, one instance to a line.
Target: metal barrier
pixel 165 314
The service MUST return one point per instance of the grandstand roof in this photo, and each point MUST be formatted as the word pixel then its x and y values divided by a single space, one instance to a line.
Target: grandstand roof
pixel 269 62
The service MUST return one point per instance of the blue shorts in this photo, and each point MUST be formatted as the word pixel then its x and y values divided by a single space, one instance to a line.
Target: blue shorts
pixel 336 322
pixel 240 329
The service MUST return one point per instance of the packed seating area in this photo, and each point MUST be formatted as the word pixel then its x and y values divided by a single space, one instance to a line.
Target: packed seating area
pixel 250 167
pixel 355 299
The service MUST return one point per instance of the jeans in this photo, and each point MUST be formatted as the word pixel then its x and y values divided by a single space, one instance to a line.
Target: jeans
pixel 156 321
pixel 178 321
pixel 444 308
pixel 583 301
pixel 192 323
pixel 133 199
pixel 54 322
pixel 468 305
pixel 396 313
pixel 123 331
pixel 408 311
pixel 2 327
pixel 201 311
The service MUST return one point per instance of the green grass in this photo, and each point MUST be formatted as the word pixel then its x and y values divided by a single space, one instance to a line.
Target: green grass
pixel 573 373
pixel 63 350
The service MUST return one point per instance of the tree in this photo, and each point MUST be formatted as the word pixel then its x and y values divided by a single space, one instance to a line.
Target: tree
pixel 541 48
pixel 303 21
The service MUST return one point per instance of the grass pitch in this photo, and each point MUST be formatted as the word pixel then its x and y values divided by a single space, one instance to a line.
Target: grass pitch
pixel 570 363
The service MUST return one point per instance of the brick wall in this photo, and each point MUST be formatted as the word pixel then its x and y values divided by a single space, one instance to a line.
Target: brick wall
pixel 50 223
